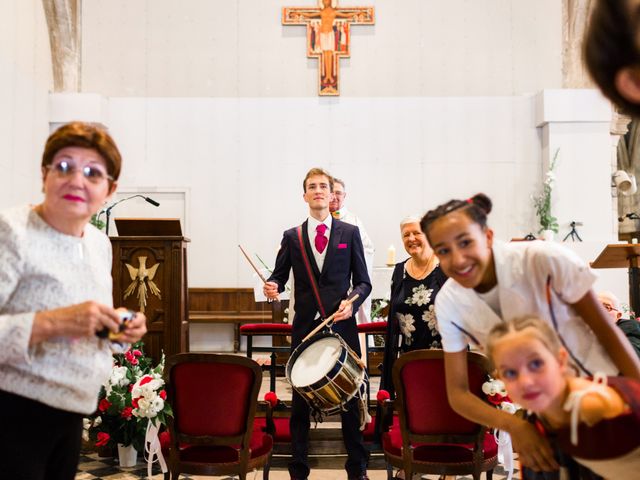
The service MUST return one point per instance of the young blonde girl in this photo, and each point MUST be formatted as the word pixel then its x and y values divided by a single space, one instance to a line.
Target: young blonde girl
pixel 595 421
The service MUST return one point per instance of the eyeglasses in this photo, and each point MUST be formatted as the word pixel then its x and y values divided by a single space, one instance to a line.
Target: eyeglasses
pixel 609 308
pixel 93 173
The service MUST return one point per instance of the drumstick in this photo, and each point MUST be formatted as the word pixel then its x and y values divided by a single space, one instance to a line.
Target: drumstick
pixel 329 318
pixel 264 280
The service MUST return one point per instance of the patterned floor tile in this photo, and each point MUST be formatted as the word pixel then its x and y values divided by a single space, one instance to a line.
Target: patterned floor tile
pixel 92 467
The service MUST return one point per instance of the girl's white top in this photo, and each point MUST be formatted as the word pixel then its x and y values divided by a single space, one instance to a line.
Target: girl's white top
pixel 522 269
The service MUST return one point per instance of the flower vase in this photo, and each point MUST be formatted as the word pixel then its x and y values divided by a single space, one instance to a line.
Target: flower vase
pixel 547 235
pixel 128 456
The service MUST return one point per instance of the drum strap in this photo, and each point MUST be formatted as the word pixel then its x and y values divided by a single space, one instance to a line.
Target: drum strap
pixel 312 278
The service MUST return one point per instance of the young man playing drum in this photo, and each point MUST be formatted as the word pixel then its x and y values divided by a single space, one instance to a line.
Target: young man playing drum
pixel 333 255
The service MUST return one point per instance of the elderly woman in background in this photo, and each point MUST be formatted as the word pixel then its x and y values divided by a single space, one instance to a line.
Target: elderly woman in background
pixel 414 285
pixel 55 298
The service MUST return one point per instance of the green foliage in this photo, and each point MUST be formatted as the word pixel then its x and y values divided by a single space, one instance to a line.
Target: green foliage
pixel 379 309
pixel 99 224
pixel 542 202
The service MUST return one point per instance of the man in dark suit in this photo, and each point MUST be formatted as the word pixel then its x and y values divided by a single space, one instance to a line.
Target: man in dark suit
pixel 336 260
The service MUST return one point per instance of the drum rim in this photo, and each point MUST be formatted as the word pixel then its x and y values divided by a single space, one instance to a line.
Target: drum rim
pixel 295 354
pixel 330 375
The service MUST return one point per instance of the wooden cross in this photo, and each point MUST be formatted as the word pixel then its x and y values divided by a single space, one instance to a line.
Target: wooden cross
pixel 328 36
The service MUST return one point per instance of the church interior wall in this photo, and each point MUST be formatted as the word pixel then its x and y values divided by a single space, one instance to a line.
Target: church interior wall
pixel 25 82
pixel 203 48
pixel 214 104
pixel 243 162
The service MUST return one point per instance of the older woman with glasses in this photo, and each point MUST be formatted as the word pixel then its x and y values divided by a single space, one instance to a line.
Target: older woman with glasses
pixel 414 286
pixel 56 307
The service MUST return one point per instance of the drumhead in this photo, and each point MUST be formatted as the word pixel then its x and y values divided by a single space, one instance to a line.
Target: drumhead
pixel 315 361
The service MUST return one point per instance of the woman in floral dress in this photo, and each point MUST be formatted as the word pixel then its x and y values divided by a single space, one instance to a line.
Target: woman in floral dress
pixel 414 286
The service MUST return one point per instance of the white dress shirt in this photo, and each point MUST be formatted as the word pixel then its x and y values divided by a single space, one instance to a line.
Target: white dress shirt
pixel 312 224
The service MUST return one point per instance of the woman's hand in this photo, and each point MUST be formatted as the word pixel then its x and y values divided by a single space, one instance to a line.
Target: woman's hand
pixel 533 449
pixel 80 320
pixel 134 329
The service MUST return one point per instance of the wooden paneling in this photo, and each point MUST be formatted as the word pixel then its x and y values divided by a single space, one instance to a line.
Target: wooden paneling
pixel 224 300
pixel 165 261
pixel 229 305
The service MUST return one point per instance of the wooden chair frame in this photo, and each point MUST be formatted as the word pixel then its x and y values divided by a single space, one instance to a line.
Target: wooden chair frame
pixel 245 463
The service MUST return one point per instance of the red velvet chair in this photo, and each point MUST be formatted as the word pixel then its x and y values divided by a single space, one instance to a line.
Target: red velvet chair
pixel 251 330
pixel 370 330
pixel 212 432
pixel 432 438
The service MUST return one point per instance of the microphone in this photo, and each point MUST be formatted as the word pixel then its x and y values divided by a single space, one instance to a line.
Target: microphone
pixel 630 216
pixel 110 207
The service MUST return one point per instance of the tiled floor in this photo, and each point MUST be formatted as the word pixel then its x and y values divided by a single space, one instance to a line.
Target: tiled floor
pixel 322 468
pixel 329 467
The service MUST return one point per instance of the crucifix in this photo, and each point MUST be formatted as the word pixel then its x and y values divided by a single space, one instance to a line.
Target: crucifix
pixel 328 36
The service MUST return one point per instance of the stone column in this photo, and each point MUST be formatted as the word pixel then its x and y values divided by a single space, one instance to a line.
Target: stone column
pixel 577 122
pixel 64 20
pixel 575 15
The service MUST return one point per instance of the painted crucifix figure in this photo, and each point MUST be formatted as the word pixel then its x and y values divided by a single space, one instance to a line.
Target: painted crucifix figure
pixel 328 36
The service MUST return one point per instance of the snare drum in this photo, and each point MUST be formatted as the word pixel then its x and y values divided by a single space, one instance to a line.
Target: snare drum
pixel 326 372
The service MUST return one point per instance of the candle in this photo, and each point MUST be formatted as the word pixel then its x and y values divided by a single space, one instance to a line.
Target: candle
pixel 391 256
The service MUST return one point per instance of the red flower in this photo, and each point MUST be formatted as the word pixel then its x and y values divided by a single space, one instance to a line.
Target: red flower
pixel 103 439
pixel 126 412
pixel 131 358
pixel 134 402
pixel 496 399
pixel 270 397
pixel 104 405
pixel 163 394
pixel 146 379
pixel 137 353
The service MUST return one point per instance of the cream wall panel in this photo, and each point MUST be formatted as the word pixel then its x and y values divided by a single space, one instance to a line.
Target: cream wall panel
pixel 243 161
pixel 216 48
pixel 25 77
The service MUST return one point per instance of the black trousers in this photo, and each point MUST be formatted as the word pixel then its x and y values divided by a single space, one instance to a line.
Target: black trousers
pixel 37 442
pixel 300 423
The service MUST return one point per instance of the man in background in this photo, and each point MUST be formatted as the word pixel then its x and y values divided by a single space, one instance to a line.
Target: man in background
pixel 630 327
pixel 340 212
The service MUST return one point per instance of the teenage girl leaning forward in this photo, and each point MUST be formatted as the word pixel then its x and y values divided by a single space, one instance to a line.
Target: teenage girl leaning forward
pixel 491 281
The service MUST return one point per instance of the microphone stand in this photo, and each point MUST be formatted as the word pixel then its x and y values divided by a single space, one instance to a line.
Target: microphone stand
pixel 107 211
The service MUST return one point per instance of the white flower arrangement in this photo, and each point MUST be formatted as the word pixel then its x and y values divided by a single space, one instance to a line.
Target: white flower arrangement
pixel 542 202
pixel 147 396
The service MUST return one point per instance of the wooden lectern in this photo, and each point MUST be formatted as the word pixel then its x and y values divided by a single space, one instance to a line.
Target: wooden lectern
pixel 623 256
pixel 150 275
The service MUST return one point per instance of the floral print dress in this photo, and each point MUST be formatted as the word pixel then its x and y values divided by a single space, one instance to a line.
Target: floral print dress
pixel 412 321
pixel 415 310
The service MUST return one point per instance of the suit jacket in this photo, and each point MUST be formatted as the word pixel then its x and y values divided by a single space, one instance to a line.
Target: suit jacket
pixel 344 265
pixel 631 329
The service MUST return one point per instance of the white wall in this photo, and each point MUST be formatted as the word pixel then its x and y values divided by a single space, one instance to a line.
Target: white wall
pixel 239 48
pixel 25 76
pixel 244 160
